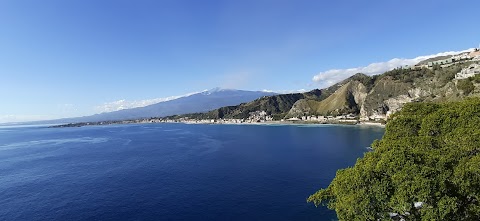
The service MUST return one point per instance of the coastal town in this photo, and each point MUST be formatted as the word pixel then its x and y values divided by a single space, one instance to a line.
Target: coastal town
pixel 262 117
pixel 257 117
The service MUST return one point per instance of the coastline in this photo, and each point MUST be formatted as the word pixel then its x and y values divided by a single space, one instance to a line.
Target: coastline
pixel 223 122
pixel 369 123
pixel 299 123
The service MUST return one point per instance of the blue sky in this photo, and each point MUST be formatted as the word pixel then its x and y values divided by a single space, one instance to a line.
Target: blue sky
pixel 66 58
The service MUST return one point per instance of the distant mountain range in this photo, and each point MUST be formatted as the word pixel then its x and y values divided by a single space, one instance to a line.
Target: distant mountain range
pixel 196 103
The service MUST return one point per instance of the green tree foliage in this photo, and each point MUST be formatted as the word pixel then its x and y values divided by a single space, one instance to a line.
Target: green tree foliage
pixel 430 153
pixel 408 75
pixel 475 78
pixel 367 81
pixel 466 86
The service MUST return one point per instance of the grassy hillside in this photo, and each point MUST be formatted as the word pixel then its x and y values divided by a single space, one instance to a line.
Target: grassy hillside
pixel 341 101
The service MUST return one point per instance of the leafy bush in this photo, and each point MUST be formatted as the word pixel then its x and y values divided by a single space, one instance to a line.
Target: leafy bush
pixel 426 167
pixel 475 78
pixel 408 75
pixel 466 86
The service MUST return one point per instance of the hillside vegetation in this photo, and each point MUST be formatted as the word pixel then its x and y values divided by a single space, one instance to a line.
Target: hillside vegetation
pixel 426 167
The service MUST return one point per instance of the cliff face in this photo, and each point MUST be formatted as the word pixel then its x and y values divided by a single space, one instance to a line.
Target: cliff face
pixel 348 98
pixel 386 95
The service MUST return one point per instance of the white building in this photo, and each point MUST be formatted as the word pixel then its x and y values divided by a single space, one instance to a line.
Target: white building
pixel 462 56
pixel 469 71
pixel 293 119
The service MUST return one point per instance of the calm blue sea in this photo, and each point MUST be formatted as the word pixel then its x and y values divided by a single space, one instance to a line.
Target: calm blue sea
pixel 173 171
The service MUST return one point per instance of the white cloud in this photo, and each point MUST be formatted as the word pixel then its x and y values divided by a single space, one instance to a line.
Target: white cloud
pixel 330 77
pixel 285 91
pixel 125 104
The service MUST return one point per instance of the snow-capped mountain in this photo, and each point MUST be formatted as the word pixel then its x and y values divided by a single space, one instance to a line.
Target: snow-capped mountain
pixel 195 103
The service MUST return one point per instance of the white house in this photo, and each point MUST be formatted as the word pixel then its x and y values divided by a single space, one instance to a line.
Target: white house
pixel 469 71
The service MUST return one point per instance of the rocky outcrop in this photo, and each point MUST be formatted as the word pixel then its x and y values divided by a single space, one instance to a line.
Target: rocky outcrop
pixel 347 99
pixel 300 108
